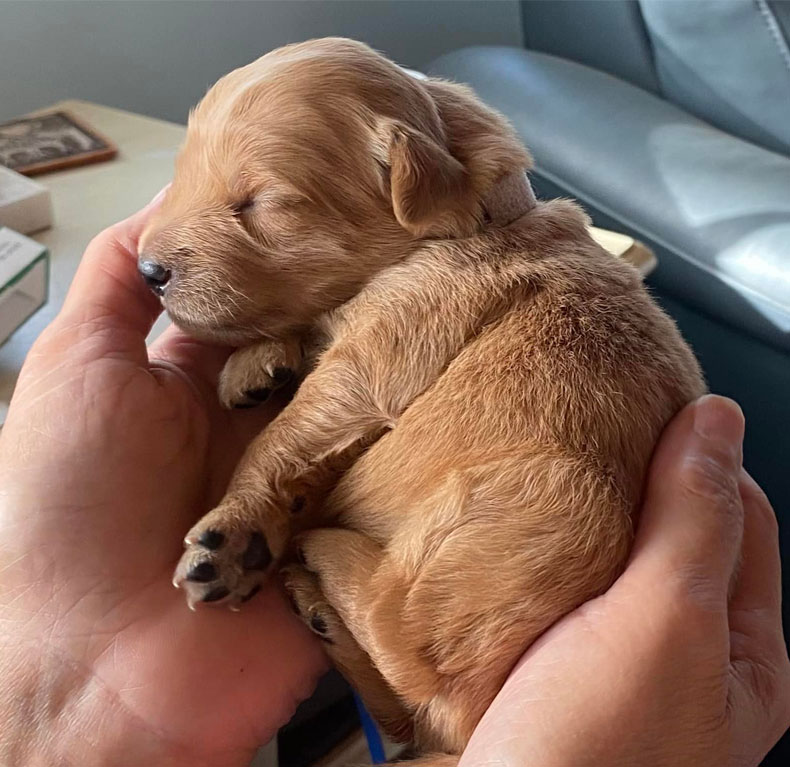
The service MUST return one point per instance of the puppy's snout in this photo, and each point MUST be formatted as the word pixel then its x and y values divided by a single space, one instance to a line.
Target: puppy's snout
pixel 155 275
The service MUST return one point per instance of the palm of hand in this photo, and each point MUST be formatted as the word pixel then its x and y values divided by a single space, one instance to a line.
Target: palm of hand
pixel 105 462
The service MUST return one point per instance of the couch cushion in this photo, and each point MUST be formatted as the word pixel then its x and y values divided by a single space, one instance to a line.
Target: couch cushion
pixel 714 207
pixel 727 62
pixel 584 32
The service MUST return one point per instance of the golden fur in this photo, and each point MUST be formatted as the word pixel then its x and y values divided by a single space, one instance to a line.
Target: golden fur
pixel 479 404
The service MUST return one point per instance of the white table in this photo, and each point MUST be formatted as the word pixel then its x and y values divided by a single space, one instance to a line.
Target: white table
pixel 88 199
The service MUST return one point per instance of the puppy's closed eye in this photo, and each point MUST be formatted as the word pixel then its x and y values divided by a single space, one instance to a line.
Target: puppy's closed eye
pixel 240 208
pixel 243 213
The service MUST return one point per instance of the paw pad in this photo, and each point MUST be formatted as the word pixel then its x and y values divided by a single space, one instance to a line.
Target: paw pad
pixel 319 627
pixel 203 572
pixel 211 540
pixel 259 395
pixel 247 597
pixel 219 566
pixel 282 375
pixel 257 555
pixel 220 592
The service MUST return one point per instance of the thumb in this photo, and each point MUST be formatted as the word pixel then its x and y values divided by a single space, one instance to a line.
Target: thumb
pixel 107 299
pixel 692 517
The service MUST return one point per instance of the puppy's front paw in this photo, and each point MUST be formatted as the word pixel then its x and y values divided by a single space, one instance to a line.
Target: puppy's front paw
pixel 225 561
pixel 252 373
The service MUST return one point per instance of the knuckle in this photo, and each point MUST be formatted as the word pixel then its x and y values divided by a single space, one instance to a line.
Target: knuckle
pixel 698 600
pixel 703 478
pixel 769 683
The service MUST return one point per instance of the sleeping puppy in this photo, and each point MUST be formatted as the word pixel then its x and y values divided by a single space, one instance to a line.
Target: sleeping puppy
pixel 481 384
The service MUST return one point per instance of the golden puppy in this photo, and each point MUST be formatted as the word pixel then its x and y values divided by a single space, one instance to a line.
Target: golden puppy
pixel 482 384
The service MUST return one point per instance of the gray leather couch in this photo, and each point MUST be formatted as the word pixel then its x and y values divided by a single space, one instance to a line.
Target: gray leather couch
pixel 671 121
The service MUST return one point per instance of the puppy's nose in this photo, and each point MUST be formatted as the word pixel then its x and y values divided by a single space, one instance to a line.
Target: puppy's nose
pixel 155 275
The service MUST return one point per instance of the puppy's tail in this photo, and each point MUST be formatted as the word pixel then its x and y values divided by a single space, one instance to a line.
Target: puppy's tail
pixel 430 760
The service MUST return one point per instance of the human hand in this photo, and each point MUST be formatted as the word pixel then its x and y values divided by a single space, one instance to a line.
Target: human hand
pixel 682 662
pixel 108 455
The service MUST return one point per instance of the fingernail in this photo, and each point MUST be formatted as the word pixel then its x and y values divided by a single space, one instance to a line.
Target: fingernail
pixel 158 197
pixel 719 419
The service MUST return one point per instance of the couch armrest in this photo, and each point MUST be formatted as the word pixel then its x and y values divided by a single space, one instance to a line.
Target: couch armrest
pixel 715 208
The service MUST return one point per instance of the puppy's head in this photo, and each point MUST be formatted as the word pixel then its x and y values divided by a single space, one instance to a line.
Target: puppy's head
pixel 305 173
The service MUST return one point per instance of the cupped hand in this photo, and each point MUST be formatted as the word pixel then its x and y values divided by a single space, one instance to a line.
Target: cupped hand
pixel 109 454
pixel 682 662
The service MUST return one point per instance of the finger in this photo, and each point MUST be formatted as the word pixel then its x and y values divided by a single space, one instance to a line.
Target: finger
pixel 756 600
pixel 202 362
pixel 692 517
pixel 108 300
pixel 759 691
pixel 199 360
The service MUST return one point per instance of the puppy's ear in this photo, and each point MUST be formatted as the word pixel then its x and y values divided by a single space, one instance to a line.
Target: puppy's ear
pixel 432 194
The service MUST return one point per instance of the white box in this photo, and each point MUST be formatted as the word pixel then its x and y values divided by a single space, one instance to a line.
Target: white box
pixel 25 205
pixel 24 279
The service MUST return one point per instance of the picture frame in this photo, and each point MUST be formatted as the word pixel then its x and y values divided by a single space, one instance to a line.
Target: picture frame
pixel 51 141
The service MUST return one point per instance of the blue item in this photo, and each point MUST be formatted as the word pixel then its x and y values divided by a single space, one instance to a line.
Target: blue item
pixel 375 744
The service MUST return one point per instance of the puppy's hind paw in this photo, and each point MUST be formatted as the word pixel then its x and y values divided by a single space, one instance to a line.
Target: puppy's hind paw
pixel 309 603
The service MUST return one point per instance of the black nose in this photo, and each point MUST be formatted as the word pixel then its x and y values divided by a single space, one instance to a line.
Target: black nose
pixel 155 275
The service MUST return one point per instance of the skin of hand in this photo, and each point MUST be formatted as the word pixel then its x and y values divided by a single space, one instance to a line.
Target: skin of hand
pixel 682 662
pixel 110 452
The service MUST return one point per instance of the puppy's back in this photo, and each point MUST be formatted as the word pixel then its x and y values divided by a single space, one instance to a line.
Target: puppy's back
pixel 573 354
pixel 505 493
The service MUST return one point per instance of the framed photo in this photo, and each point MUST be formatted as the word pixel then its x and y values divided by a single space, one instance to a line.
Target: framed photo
pixel 51 141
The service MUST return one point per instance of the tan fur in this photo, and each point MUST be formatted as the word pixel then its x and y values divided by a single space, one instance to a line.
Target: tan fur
pixel 488 397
